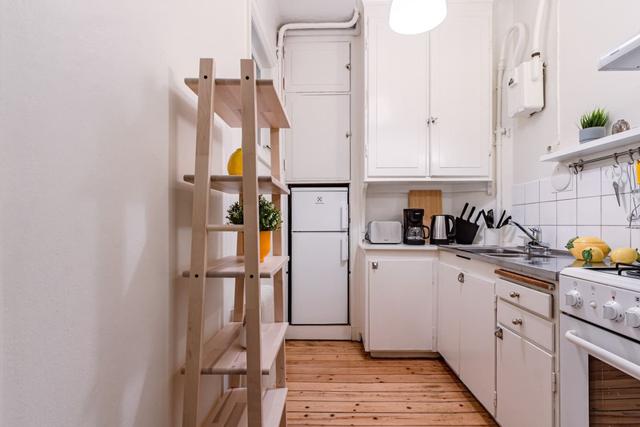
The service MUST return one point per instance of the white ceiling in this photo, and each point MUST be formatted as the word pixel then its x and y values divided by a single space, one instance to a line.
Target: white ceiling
pixel 315 10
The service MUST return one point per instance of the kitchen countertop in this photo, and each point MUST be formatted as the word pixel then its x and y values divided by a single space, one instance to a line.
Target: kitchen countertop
pixel 545 269
pixel 396 247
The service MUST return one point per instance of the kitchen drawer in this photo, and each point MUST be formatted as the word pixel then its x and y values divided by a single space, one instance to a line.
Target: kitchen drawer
pixel 532 300
pixel 528 325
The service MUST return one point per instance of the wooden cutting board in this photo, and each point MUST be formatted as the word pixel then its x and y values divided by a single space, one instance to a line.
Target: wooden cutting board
pixel 429 200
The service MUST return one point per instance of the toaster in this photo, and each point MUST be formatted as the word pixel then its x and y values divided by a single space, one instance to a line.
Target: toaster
pixel 384 232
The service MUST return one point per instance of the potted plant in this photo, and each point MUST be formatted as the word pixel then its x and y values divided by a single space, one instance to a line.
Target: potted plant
pixel 592 125
pixel 269 219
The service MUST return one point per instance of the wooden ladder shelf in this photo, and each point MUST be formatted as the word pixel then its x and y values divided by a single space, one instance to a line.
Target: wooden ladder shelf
pixel 249 104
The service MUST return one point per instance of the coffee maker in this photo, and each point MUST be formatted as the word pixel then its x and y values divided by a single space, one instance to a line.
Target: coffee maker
pixel 415 232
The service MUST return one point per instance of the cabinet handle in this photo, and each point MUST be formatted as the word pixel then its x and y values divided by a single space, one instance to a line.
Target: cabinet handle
pixel 514 294
pixel 347 134
pixel 374 265
pixel 517 321
pixel 461 277
pixel 348 66
pixel 434 120
pixel 499 333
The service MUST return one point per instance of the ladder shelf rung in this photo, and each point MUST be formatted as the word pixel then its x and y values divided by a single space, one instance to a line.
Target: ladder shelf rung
pixel 224 355
pixel 231 408
pixel 233 266
pixel 232 184
pixel 225 227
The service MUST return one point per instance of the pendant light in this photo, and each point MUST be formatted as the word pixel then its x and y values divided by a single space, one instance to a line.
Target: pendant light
pixel 416 16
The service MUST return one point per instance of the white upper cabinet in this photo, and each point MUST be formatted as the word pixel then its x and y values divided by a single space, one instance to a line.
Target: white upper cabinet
pixel 318 144
pixel 461 91
pixel 429 96
pixel 396 99
pixel 313 65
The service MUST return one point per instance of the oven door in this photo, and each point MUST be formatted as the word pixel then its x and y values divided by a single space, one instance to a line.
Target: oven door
pixel 599 376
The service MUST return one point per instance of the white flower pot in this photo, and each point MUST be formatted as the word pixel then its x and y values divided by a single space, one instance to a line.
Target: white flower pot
pixel 589 134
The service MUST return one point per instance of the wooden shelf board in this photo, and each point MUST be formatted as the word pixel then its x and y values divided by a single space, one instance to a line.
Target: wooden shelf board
pixel 608 143
pixel 231 408
pixel 223 354
pixel 232 184
pixel 233 266
pixel 228 103
pixel 234 360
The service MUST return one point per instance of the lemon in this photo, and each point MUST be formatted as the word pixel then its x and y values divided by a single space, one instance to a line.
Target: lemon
pixel 624 255
pixel 578 244
pixel 234 165
pixel 592 254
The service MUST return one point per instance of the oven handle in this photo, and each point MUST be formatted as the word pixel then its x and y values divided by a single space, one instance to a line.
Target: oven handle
pixel 604 355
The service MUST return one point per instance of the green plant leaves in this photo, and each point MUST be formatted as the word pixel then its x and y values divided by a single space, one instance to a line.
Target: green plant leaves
pixel 596 118
pixel 269 217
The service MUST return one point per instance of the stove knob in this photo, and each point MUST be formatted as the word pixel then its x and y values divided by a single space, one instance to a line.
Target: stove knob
pixel 573 299
pixel 632 317
pixel 612 311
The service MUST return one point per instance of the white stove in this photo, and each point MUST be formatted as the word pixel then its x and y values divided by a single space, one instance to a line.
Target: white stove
pixel 599 346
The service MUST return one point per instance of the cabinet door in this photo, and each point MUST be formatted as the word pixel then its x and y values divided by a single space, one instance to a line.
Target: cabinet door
pixel 525 383
pixel 400 304
pixel 317 66
pixel 477 339
pixel 318 146
pixel 461 91
pixel 396 101
pixel 448 325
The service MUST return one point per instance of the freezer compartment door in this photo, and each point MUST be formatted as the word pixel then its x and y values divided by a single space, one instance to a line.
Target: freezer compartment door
pixel 319 279
pixel 319 209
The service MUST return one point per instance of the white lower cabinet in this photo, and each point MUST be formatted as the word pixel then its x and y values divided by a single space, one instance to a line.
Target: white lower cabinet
pixel 400 292
pixel 466 325
pixel 524 383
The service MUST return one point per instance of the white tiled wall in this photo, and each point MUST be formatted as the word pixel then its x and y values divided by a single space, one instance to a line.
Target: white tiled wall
pixel 587 207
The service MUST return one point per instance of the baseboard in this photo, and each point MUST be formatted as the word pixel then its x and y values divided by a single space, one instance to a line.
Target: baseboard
pixel 329 332
pixel 405 354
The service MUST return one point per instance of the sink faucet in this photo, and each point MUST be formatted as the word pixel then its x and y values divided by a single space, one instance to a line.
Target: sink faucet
pixel 534 237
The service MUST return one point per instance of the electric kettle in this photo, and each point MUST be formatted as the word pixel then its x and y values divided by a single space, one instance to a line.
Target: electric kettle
pixel 443 229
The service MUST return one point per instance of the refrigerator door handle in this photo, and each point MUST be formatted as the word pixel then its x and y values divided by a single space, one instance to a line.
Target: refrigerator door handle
pixel 344 249
pixel 344 218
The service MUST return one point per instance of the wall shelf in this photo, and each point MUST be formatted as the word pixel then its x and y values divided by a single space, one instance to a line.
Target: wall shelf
pixel 601 145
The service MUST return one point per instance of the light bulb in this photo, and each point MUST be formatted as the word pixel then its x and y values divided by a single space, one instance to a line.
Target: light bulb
pixel 416 16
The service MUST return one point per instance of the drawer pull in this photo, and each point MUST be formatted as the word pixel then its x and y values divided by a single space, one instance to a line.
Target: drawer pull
pixel 461 277
pixel 514 294
pixel 517 321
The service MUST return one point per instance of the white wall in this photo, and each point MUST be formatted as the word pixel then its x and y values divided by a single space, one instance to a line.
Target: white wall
pixel 96 129
pixel 580 32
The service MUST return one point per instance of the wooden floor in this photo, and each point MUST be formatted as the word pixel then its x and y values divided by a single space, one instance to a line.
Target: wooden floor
pixel 336 383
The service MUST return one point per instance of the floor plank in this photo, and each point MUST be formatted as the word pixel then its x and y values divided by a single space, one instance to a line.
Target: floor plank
pixel 336 383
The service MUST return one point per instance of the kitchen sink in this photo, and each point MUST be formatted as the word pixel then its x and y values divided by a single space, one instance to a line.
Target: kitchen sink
pixel 496 251
pixel 522 255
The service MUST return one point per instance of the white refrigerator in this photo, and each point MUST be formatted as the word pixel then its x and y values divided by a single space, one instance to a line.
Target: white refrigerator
pixel 319 249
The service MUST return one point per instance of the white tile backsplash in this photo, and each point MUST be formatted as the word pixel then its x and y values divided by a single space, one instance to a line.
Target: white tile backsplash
pixel 549 235
pixel 517 194
pixel 547 192
pixel 589 211
pixel 548 213
pixel 589 230
pixel 532 192
pixel 566 212
pixel 589 183
pixel 616 236
pixel 517 214
pixel 564 234
pixel 612 214
pixel 569 192
pixel 532 214
pixel 588 207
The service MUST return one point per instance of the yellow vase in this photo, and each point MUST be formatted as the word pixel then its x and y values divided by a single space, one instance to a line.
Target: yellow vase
pixel 234 165
pixel 265 244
